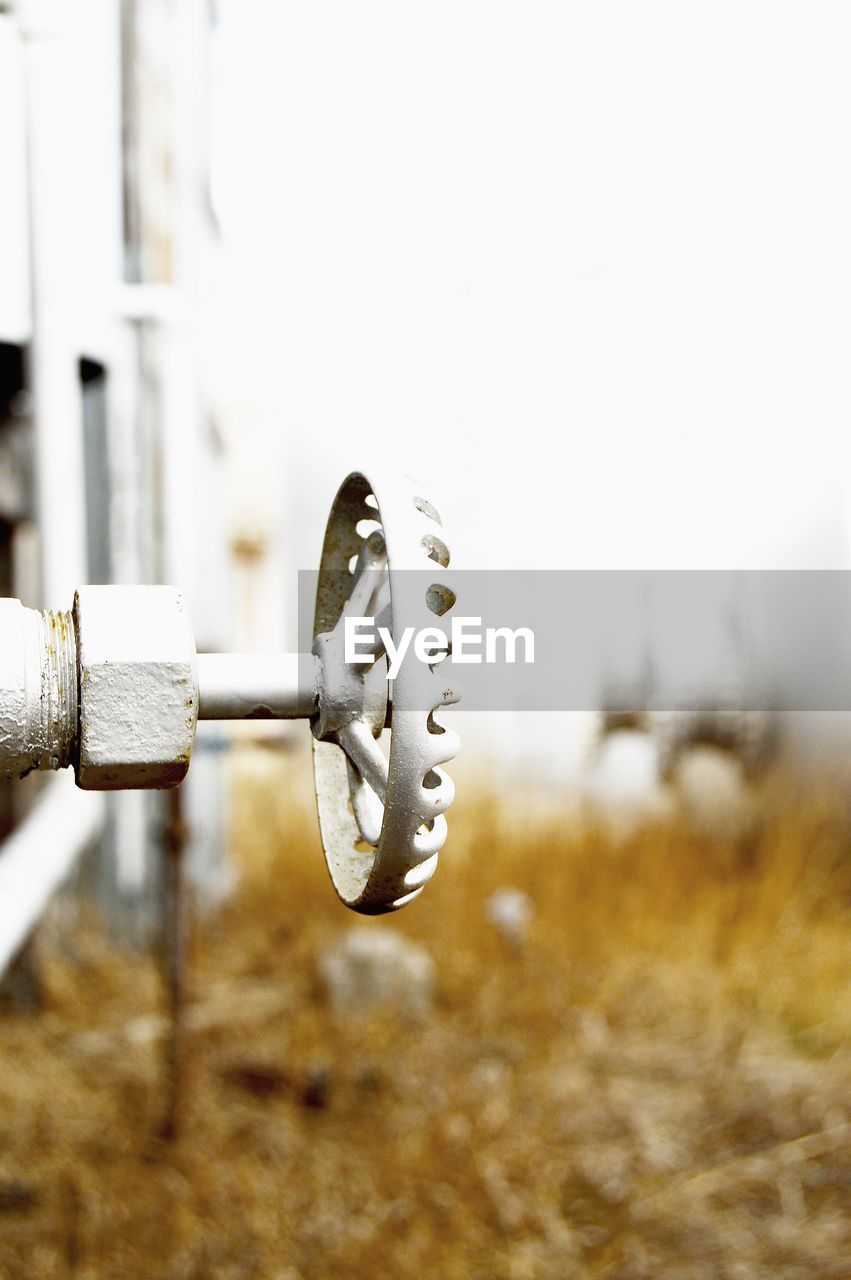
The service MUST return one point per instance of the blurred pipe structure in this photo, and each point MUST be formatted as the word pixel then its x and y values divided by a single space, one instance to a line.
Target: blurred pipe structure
pixel 36 858
pixel 53 357
pixel 105 195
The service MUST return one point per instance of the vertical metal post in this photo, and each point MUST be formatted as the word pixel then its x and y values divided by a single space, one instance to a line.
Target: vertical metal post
pixel 53 356
pixel 173 954
pixel 54 359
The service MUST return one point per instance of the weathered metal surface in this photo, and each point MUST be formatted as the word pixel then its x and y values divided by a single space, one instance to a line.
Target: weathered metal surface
pixel 256 686
pixel 38 689
pixel 381 817
pixel 138 687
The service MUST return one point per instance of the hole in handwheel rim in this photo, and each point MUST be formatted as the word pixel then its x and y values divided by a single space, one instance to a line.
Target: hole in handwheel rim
pixel 436 550
pixel 423 505
pixel 440 599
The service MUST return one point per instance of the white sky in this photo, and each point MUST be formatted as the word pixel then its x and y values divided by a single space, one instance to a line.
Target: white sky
pixel 587 267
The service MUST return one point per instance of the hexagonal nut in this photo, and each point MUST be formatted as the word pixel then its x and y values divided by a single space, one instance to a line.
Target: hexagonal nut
pixel 138 687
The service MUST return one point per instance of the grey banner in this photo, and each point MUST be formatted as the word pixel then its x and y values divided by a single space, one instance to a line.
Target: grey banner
pixel 657 640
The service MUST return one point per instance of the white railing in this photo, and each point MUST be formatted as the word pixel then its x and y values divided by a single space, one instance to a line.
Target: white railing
pixel 40 853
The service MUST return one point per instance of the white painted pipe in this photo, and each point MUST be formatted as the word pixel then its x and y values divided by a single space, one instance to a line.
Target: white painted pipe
pixel 54 356
pixel 40 853
pixel 256 686
pixel 38 689
pixel 115 688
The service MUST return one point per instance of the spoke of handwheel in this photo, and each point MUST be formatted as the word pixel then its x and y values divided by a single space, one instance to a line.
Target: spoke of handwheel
pixel 370 576
pixel 365 754
pixel 383 617
pixel 367 808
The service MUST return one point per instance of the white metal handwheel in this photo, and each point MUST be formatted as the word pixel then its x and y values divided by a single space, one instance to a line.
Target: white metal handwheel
pixel 381 813
pixel 115 687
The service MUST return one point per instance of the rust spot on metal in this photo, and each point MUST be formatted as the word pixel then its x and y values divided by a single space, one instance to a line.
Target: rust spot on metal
pixel 261 712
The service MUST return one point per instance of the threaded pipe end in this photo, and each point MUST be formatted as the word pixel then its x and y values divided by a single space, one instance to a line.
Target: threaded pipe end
pixel 58 715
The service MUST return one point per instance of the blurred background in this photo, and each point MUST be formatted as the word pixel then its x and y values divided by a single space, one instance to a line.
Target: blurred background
pixel 585 270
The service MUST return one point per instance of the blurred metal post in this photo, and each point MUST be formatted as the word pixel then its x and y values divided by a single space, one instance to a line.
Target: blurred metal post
pixel 59 826
pixel 54 359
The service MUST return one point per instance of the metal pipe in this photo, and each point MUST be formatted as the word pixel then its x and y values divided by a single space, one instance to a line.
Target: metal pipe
pixel 257 686
pixel 54 376
pixel 39 854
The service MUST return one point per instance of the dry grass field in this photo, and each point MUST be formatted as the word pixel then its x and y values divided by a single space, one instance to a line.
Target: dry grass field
pixel 657 1084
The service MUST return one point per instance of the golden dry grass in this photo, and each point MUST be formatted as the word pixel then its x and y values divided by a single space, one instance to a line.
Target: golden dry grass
pixel 656 1085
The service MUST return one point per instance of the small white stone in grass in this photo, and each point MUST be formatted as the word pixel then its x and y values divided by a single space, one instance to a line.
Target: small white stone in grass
pixel 510 911
pixel 713 794
pixel 371 966
pixel 623 788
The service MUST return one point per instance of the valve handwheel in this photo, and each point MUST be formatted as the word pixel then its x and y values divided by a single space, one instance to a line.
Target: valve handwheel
pixel 115 688
pixel 381 815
